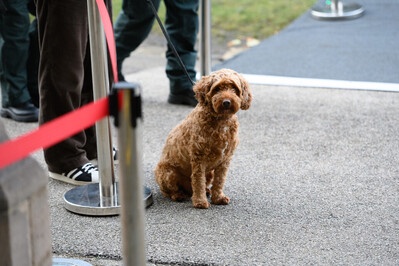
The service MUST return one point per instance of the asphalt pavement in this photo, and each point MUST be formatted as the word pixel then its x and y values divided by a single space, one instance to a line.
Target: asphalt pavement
pixel 314 181
pixel 359 50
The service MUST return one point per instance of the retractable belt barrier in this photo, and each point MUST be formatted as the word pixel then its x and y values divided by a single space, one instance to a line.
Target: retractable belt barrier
pixel 65 126
pixel 124 104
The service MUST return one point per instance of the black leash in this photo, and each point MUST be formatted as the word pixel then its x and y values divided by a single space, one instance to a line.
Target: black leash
pixel 169 41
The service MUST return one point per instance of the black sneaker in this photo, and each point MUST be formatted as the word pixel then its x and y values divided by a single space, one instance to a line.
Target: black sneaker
pixel 25 112
pixel 85 174
pixel 186 98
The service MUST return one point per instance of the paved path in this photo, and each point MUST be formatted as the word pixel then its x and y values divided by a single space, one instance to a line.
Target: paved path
pixel 315 180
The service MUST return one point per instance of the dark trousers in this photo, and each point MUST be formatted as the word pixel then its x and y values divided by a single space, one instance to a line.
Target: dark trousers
pixel 135 22
pixel 32 67
pixel 14 27
pixel 65 81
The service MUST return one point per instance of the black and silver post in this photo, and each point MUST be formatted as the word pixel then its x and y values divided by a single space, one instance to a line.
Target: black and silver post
pixel 131 173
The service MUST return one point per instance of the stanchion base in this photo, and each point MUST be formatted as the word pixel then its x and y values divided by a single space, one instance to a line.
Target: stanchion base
pixel 69 262
pixel 85 200
pixel 345 11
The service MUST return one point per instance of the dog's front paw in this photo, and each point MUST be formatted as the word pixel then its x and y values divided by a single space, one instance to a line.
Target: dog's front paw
pixel 220 200
pixel 201 204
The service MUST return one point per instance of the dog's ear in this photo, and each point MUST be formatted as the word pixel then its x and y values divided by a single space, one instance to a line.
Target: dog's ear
pixel 246 93
pixel 201 88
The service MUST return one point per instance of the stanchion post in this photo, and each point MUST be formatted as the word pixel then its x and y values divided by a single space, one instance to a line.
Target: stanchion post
pixel 205 37
pixel 336 6
pixel 98 199
pixel 131 174
pixel 100 74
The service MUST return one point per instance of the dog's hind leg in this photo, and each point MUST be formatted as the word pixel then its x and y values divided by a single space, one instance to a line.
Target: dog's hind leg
pixel 169 183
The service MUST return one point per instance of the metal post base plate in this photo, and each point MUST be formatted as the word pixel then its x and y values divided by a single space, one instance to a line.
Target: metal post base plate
pixel 345 11
pixel 69 262
pixel 86 200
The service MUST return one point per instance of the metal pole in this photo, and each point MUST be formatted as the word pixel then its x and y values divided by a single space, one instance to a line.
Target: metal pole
pixel 98 199
pixel 98 48
pixel 205 37
pixel 336 6
pixel 131 175
pixel 336 10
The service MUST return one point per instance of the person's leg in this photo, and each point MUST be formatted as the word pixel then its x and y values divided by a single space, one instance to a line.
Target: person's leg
pixel 32 64
pixel 4 93
pixel 132 26
pixel 14 53
pixel 182 27
pixel 87 97
pixel 63 38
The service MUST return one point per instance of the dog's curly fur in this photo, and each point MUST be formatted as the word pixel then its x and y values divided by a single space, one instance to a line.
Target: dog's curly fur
pixel 198 151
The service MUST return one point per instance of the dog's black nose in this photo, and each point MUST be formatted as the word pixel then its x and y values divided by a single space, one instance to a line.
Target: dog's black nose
pixel 226 103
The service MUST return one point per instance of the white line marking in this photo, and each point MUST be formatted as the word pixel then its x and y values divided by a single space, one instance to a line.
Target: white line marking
pixel 321 83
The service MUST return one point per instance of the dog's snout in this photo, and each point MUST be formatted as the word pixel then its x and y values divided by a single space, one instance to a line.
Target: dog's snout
pixel 226 103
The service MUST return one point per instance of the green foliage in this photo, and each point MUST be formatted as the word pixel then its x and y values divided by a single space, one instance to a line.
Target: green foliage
pixel 258 19
pixel 246 18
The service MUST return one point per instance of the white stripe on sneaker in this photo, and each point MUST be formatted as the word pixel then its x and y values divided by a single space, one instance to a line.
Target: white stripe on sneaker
pixel 74 173
pixel 88 173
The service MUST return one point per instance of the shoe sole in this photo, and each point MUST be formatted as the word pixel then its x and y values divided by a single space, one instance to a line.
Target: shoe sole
pixel 68 180
pixel 18 118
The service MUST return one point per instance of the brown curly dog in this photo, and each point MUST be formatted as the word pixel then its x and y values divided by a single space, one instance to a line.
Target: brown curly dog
pixel 198 151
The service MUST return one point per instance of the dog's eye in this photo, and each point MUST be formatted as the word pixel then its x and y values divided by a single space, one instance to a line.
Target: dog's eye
pixel 237 91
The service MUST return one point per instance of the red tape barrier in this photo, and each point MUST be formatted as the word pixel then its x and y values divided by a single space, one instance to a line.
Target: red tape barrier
pixel 53 132
pixel 65 126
